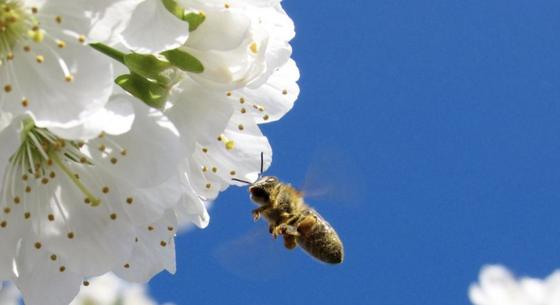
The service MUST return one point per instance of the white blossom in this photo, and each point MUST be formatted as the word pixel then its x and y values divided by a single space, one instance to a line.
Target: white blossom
pixel 46 64
pixel 240 43
pixel 72 209
pixel 498 286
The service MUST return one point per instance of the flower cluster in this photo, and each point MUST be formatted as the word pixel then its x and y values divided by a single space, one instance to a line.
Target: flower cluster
pixel 107 289
pixel 498 286
pixel 120 121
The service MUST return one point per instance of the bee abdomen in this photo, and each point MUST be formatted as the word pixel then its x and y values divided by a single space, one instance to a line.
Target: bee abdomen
pixel 319 239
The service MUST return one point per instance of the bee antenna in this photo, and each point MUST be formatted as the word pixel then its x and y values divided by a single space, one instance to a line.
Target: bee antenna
pixel 239 180
pixel 262 163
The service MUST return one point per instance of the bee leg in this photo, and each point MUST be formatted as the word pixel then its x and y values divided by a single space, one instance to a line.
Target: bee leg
pixel 284 229
pixel 257 212
pixel 306 224
pixel 290 242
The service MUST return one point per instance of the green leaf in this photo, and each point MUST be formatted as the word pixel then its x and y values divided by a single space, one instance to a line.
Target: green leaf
pixel 183 60
pixel 148 66
pixel 174 8
pixel 194 20
pixel 151 93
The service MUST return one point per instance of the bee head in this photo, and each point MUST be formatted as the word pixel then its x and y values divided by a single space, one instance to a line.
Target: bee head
pixel 260 190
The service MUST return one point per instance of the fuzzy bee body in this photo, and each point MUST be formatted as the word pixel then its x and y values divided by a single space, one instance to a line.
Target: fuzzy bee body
pixel 288 215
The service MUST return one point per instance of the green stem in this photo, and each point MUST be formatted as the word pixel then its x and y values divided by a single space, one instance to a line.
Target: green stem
pixel 94 200
pixel 107 50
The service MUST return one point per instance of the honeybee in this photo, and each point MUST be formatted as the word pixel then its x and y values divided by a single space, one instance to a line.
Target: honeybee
pixel 289 216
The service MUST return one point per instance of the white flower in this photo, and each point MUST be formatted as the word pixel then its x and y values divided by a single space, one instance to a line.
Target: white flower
pixel 240 43
pixel 107 289
pixel 498 286
pixel 71 210
pixel 220 130
pixel 111 290
pixel 9 295
pixel 46 64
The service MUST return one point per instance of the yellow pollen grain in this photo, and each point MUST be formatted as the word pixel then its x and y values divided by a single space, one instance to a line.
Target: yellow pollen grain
pixel 243 110
pixel 38 245
pixel 204 169
pixel 17 200
pixel 58 19
pixel 214 169
pixel 105 189
pixel 69 78
pixel 27 215
pixel 241 127
pixel 102 147
pixel 254 47
pixel 129 200
pixel 113 216
pixel 208 185
pixel 205 150
pixel 163 243
pixel 241 100
pixel 114 160
pixel 8 88
pixel 62 269
pixel 45 180
pixel 230 145
pixel 228 94
pixel 82 39
pixel 28 189
pixel 60 44
pixel 124 152
pixel 10 56
pixel 53 257
pixel 266 117
pixel 40 59
pixel 220 138
pixel 24 177
pixel 226 5
pixel 52 175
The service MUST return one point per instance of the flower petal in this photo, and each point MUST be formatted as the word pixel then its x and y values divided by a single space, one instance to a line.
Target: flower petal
pixel 153 29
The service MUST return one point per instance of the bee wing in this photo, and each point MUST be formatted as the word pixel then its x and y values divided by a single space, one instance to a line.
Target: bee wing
pixel 254 256
pixel 332 176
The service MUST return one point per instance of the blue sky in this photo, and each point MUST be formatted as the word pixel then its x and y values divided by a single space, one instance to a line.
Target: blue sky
pixel 449 111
